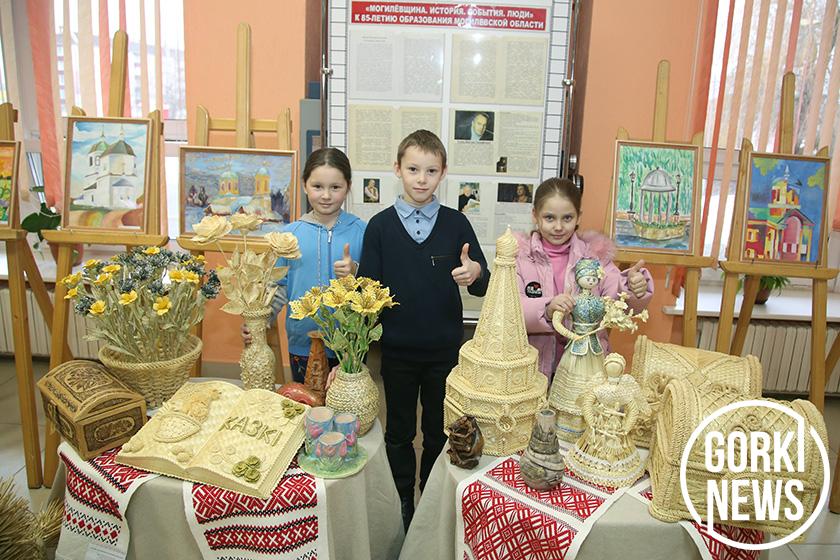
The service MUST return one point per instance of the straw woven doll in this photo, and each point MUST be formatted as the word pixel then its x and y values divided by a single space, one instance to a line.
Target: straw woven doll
pixel 605 454
pixel 583 360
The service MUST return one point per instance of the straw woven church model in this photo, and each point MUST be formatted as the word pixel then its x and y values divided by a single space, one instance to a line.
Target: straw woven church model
pixel 496 379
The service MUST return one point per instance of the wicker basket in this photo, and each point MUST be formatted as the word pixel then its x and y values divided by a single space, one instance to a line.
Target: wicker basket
pixel 156 381
pixel 655 364
pixel 684 405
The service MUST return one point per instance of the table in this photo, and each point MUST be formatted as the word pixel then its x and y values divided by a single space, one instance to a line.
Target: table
pixel 625 531
pixel 363 512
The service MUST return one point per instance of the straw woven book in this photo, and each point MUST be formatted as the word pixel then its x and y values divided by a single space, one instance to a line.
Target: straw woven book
pixel 218 434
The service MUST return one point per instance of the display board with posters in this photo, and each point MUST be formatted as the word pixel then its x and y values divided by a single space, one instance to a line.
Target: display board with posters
pixel 487 77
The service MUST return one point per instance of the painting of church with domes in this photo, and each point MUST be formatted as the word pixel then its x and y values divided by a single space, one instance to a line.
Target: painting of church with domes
pixel 227 181
pixel 107 173
pixel 786 209
pixel 655 197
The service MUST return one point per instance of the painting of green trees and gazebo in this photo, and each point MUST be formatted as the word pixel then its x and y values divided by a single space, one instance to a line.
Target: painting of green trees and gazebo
pixel 655 196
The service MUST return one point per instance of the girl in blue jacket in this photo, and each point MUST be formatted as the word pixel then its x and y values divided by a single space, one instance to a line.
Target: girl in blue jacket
pixel 330 241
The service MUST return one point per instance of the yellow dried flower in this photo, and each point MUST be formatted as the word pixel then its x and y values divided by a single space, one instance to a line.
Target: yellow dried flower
pixel 162 305
pixel 72 279
pixel 191 277
pixel 348 282
pixel 111 268
pixel 98 307
pixel 102 278
pixel 336 297
pixel 177 275
pixel 365 302
pixel 71 293
pixel 306 306
pixel 90 263
pixel 151 250
pixel 128 298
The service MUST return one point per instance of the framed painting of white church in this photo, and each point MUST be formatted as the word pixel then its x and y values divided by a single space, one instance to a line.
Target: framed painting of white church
pixel 227 181
pixel 107 174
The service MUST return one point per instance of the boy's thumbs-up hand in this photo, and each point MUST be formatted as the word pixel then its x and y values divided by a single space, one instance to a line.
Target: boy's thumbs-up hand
pixel 636 281
pixel 469 271
pixel 344 266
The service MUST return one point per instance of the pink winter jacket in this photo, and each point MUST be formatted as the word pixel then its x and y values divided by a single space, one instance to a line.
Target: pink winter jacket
pixel 534 272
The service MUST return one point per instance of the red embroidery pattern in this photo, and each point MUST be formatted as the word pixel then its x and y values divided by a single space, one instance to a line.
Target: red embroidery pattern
pixel 497 528
pixel 294 492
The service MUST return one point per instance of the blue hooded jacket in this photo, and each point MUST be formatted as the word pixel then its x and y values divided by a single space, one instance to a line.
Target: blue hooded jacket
pixel 320 248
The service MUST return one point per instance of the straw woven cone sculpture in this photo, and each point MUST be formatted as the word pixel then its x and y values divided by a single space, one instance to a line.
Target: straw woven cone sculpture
pixel 496 379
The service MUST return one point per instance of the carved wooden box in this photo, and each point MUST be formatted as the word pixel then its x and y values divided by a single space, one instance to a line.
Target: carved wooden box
pixel 90 408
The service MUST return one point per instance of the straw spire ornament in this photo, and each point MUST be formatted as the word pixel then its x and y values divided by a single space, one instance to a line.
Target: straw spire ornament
pixel 496 379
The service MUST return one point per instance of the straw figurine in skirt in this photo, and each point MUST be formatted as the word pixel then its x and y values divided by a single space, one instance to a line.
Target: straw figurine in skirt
pixel 605 454
pixel 582 362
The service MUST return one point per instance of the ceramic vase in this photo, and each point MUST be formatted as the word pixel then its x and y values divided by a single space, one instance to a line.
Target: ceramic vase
pixel 318 366
pixel 257 359
pixel 542 463
pixel 356 393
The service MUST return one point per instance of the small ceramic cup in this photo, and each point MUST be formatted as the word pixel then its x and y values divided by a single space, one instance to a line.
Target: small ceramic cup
pixel 348 424
pixel 330 450
pixel 318 420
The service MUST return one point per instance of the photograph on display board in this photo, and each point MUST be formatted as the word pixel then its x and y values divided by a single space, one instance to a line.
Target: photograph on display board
pixel 371 192
pixel 656 197
pixel 476 126
pixel 785 215
pixel 9 158
pixel 107 173
pixel 227 181
pixel 469 198
pixel 516 192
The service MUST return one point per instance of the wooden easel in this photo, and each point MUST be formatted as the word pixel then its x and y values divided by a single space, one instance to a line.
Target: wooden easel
pixel 22 267
pixel 244 126
pixel 692 264
pixel 734 266
pixel 65 239
pixel 753 271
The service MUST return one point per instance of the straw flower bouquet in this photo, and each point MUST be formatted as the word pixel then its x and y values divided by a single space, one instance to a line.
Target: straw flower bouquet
pixel 142 304
pixel 347 314
pixel 249 282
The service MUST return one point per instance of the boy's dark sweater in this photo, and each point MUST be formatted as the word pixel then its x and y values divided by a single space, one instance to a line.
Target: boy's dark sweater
pixel 428 323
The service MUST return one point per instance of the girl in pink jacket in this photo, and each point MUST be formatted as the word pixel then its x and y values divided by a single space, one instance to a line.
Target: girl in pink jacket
pixel 545 266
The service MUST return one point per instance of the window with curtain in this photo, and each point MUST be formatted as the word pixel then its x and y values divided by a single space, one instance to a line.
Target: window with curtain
pixel 756 42
pixel 83 33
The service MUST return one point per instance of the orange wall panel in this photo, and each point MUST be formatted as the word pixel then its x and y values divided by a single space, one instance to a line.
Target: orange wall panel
pixel 626 41
pixel 278 80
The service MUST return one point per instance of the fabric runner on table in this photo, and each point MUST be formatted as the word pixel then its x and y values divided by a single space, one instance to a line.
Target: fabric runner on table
pixel 289 525
pixel 95 502
pixel 709 547
pixel 499 516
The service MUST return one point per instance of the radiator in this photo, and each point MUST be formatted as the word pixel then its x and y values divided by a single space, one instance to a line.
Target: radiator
pixel 782 347
pixel 39 334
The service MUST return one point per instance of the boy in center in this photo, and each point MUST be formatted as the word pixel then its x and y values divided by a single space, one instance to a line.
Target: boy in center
pixel 423 252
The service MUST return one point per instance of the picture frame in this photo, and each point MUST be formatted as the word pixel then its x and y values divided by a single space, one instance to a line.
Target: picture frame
pixel 785 209
pixel 9 165
pixel 655 197
pixel 107 174
pixel 223 181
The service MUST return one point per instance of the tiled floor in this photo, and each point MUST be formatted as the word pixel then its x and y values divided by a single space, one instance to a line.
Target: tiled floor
pixel 822 542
